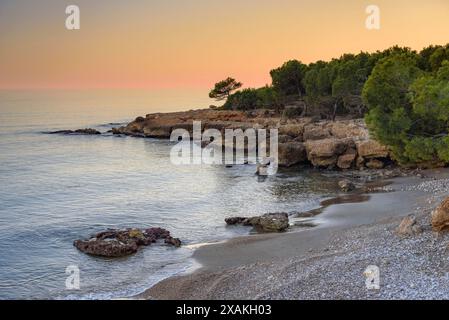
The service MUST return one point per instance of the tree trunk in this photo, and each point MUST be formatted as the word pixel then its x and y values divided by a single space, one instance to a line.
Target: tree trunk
pixel 334 114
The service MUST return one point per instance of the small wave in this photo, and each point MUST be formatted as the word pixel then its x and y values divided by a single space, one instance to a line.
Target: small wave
pixel 166 272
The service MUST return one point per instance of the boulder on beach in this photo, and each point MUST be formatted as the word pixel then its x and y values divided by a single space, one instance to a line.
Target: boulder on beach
pixel 119 243
pixel 440 217
pixel 270 222
pixel 409 226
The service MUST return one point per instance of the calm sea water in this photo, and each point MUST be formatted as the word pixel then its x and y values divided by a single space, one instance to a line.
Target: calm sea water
pixel 55 189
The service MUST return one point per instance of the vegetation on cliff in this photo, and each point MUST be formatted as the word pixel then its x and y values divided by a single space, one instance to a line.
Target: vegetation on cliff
pixel 409 110
pixel 403 94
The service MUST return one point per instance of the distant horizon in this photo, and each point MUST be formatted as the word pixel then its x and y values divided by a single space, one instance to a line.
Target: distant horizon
pixel 155 45
pixel 169 88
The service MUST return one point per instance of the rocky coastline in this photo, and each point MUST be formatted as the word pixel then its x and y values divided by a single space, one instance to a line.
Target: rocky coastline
pixel 402 233
pixel 403 212
pixel 340 144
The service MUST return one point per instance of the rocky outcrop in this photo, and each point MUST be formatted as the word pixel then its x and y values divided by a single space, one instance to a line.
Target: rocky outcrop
pixel 440 217
pixel 342 144
pixel 291 153
pixel 87 131
pixel 375 164
pixel 409 227
pixel 325 153
pixel 119 243
pixel 371 149
pixel 346 160
pixel 271 222
pixel 294 131
pixel 316 132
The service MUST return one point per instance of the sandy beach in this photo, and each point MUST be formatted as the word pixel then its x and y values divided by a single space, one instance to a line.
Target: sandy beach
pixel 328 261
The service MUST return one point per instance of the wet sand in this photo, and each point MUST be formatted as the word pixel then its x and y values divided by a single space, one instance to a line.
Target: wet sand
pixel 258 266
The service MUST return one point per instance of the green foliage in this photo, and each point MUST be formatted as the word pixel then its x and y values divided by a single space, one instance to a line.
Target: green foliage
pixel 318 80
pixel 249 99
pixel 403 94
pixel 267 98
pixel 409 108
pixel 292 112
pixel 223 89
pixel 437 58
pixel 287 79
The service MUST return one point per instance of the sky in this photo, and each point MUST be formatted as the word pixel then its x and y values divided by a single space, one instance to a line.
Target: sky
pixel 156 44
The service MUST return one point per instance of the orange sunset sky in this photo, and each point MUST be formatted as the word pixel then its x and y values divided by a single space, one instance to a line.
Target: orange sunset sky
pixel 193 43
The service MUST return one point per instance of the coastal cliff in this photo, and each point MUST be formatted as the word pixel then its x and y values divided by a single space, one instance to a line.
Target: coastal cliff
pixel 342 144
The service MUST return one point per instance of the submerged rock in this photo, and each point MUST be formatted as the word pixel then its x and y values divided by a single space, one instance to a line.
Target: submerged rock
pixel 440 217
pixel 270 222
pixel 346 185
pixel 119 243
pixel 87 131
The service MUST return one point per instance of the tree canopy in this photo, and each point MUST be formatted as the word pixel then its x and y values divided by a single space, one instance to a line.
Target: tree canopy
pixel 403 95
pixel 223 89
pixel 409 109
pixel 288 79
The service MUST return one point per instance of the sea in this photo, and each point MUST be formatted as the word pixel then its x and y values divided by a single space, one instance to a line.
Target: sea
pixel 55 189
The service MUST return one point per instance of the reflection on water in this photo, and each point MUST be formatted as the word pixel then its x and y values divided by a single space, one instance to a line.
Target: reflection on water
pixel 55 189
pixel 350 198
pixel 306 219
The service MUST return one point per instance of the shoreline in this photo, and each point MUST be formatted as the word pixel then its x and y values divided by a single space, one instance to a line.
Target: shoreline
pixel 257 266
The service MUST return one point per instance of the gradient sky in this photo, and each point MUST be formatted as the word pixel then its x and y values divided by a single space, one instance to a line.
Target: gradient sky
pixel 193 43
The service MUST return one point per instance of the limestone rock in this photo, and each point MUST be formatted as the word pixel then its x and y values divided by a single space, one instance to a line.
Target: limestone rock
pixel 316 132
pixel 157 132
pixel 409 227
pixel 375 164
pixel 349 129
pixel 291 153
pixel 371 149
pixel 440 217
pixel 346 160
pixel 325 153
pixel 292 130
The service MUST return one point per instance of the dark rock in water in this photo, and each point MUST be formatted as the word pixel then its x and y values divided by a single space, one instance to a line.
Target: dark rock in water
pixel 61 132
pixel 87 131
pixel 346 185
pixel 117 130
pixel 119 243
pixel 173 241
pixel 235 220
pixel 106 248
pixel 270 222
